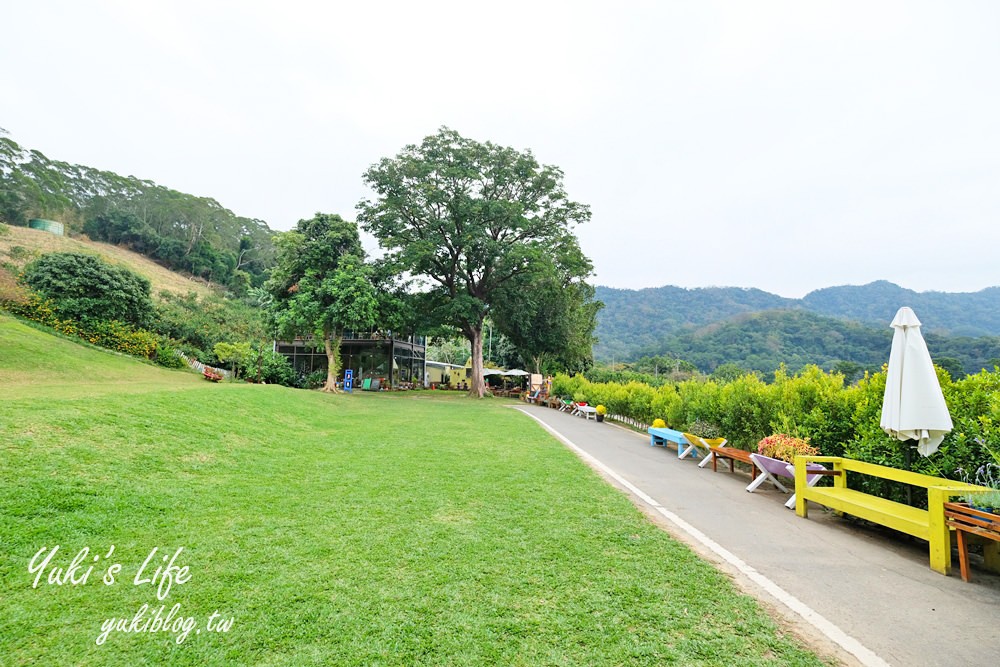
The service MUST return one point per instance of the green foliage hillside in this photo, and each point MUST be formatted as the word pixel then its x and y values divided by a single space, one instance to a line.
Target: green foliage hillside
pixel 958 314
pixel 184 232
pixel 798 338
pixel 763 341
pixel 634 320
pixel 757 330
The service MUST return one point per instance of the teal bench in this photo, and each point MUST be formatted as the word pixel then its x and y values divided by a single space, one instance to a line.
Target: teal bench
pixel 662 436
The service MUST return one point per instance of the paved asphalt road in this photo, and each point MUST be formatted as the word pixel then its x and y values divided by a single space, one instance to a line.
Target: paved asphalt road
pixel 871 589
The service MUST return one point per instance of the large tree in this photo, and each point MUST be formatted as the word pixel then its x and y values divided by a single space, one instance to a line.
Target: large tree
pixel 322 286
pixel 469 218
pixel 549 315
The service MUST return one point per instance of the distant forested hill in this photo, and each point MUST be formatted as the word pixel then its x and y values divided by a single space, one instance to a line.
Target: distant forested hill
pixel 634 320
pixel 757 330
pixel 182 232
pixel 958 314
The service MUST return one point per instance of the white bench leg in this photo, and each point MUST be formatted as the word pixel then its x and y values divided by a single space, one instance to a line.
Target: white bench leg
pixel 765 476
pixel 705 461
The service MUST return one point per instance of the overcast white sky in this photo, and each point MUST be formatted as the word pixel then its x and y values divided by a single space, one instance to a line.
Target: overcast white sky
pixel 781 145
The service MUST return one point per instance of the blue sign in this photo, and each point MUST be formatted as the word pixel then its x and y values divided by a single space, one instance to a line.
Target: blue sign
pixel 348 379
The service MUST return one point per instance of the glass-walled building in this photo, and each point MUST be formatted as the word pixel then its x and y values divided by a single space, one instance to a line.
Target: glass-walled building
pixel 397 362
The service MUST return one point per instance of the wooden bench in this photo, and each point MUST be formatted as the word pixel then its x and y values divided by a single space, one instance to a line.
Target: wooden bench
pixel 732 454
pixel 968 520
pixel 928 524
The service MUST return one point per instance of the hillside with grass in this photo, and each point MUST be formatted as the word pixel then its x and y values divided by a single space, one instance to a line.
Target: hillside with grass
pixel 316 529
pixel 20 245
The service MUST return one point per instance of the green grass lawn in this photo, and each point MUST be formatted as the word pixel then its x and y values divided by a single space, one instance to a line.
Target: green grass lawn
pixel 333 530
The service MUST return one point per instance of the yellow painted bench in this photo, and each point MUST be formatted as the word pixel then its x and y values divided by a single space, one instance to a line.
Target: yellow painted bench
pixel 928 524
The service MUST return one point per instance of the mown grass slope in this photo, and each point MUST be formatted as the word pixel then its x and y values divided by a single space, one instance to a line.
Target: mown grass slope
pixel 332 530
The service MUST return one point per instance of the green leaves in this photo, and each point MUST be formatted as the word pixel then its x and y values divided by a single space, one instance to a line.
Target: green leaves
pixel 85 287
pixel 322 285
pixel 476 220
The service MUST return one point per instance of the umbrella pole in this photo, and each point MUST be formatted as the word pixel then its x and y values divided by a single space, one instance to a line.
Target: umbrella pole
pixel 908 462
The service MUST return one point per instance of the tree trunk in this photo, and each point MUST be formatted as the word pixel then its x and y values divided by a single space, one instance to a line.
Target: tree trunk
pixel 537 363
pixel 332 361
pixel 478 387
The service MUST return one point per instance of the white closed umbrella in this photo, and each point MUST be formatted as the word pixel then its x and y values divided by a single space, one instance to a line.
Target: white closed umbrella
pixel 913 407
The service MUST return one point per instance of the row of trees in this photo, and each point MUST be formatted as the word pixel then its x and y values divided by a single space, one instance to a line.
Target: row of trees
pixel 470 231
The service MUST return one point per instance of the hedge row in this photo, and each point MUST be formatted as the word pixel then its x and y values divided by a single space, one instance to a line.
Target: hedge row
pixel 814 405
pixel 112 335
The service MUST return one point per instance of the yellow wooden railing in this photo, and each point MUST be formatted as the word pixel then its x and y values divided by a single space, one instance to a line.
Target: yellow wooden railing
pixel 926 524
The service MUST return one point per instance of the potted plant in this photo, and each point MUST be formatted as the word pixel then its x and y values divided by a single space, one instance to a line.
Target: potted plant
pixel 985 501
pixel 784 447
pixel 601 411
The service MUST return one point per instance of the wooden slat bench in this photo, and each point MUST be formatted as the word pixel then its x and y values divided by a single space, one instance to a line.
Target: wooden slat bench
pixel 926 524
pixel 732 454
pixel 967 520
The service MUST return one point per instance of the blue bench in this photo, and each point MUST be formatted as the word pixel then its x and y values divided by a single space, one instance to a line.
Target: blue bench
pixel 661 436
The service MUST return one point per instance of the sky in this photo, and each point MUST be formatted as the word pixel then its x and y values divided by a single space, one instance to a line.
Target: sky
pixel 785 146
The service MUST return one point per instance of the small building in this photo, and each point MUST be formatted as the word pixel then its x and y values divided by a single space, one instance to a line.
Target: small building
pixel 441 374
pixel 398 362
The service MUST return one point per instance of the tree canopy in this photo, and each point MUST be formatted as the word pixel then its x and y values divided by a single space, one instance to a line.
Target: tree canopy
pixel 550 314
pixel 470 219
pixel 322 286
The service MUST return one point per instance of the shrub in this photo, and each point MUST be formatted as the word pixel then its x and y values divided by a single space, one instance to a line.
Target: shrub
pixel 19 253
pixel 659 423
pixel 168 357
pixel 121 337
pixel 785 447
pixel 601 410
pixel 705 429
pixel 112 335
pixel 4 229
pixel 270 367
pixel 86 288
pixel 9 289
pixel 314 380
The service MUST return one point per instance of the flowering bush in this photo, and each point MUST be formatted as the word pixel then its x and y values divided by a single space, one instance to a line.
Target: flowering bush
pixel 601 410
pixel 659 423
pixel 112 335
pixel 785 447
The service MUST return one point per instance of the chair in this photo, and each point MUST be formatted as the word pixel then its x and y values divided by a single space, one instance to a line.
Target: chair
pixel 533 396
pixel 774 468
pixel 698 446
pixel 566 405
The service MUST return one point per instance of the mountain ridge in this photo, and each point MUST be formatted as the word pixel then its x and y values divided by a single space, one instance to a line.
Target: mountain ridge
pixel 664 319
